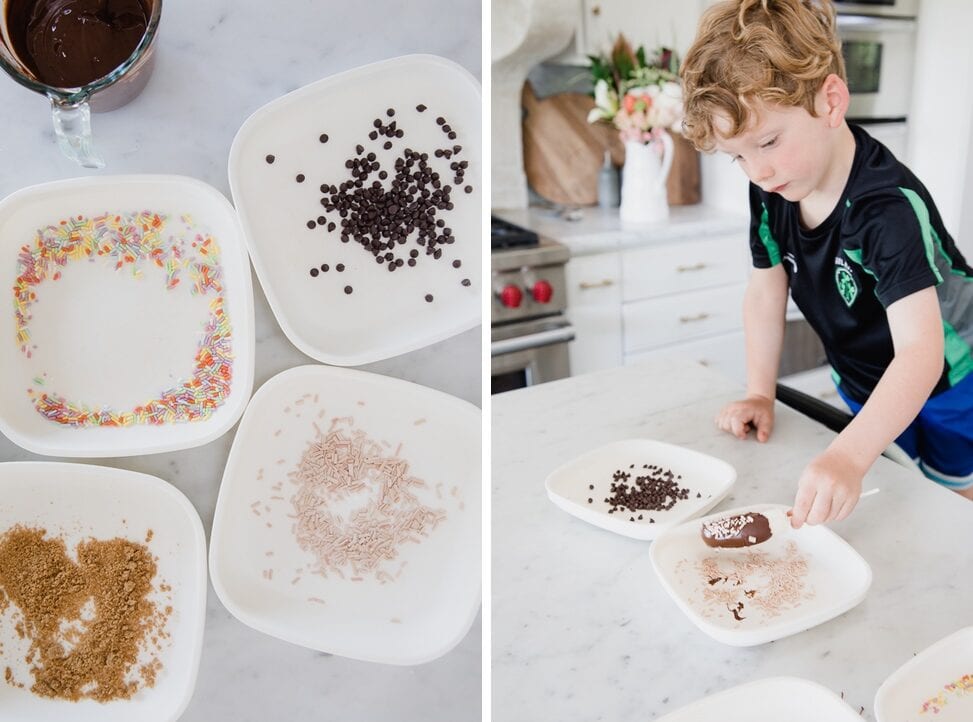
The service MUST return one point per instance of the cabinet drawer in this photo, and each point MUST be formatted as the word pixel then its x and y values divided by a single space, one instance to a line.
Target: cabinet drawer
pixel 680 267
pixel 593 280
pixel 662 321
pixel 725 353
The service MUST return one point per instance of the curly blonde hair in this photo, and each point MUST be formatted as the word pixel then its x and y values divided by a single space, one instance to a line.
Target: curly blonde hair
pixel 748 52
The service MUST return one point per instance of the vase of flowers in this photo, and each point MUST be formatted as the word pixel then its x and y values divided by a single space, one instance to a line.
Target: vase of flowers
pixel 642 97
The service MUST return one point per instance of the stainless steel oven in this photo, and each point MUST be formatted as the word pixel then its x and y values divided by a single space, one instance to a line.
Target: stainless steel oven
pixel 891 8
pixel 529 331
pixel 879 54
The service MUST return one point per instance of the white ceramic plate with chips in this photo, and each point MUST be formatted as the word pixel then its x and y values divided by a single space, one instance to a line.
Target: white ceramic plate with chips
pixel 78 502
pixel 386 313
pixel 746 596
pixel 769 700
pixel 935 684
pixel 393 597
pixel 128 327
pixel 706 478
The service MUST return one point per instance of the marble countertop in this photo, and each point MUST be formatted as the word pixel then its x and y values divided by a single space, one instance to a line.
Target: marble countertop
pixel 597 230
pixel 216 63
pixel 582 629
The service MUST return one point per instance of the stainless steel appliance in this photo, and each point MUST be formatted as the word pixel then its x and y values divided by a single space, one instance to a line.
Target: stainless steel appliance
pixel 890 8
pixel 529 331
pixel 879 54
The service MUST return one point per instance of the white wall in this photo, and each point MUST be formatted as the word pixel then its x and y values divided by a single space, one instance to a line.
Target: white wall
pixel 941 119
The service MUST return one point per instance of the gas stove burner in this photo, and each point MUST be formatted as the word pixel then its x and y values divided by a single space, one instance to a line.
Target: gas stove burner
pixel 504 234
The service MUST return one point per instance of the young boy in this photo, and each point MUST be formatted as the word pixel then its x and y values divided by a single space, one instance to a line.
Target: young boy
pixel 856 238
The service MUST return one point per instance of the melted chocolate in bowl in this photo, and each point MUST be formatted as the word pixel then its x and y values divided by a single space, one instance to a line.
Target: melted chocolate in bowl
pixel 73 43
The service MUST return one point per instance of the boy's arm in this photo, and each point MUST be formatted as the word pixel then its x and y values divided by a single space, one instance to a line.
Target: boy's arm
pixel 830 486
pixel 764 308
pixel 764 305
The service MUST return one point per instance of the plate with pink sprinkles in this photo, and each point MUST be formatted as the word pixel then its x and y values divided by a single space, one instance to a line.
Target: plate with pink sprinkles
pixel 767 585
pixel 936 684
pixel 129 328
pixel 348 518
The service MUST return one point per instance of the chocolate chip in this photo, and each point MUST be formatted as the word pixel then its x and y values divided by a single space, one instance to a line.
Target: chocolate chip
pixel 300 178
pixel 323 137
pixel 456 264
pixel 387 145
pixel 466 282
pixel 270 159
pixel 311 224
pixel 331 226
pixel 428 298
pixel 377 123
pixel 390 112
pixel 340 267
pixel 359 149
pixel 440 120
pixel 590 499
pixel 420 107
pixel 373 135
pixel 468 189
pixel 348 289
pixel 451 135
pixel 325 267
pixel 314 272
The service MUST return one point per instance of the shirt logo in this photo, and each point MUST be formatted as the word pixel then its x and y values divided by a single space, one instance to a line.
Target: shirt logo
pixel 845 281
pixel 789 257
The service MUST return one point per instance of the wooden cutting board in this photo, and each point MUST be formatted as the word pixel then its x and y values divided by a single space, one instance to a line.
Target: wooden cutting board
pixel 563 153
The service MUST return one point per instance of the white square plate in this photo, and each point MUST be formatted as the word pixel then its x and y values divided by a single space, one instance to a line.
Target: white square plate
pixel 386 314
pixel 79 501
pixel 707 478
pixel 119 290
pixel 936 684
pixel 795 580
pixel 769 700
pixel 420 600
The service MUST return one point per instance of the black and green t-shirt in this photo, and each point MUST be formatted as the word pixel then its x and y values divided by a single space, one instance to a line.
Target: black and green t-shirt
pixel 883 241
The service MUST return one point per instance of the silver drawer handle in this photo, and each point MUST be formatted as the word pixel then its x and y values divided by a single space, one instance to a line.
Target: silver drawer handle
pixel 694 267
pixel 692 319
pixel 605 283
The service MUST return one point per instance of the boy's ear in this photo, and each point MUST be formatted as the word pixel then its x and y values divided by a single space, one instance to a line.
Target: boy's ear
pixel 832 100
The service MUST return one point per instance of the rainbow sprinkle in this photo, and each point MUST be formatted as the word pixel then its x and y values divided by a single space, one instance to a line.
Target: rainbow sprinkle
pixel 133 241
pixel 960 688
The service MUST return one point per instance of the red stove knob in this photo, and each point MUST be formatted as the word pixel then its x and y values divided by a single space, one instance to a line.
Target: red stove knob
pixel 511 296
pixel 542 292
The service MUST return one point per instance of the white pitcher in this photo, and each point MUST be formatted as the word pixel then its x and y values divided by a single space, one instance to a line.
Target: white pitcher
pixel 644 181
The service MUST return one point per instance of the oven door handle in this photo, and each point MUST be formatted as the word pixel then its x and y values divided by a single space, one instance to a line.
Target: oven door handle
pixel 533 340
pixel 872 24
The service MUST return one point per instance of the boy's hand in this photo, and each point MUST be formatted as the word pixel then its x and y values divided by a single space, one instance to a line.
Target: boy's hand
pixel 756 412
pixel 828 490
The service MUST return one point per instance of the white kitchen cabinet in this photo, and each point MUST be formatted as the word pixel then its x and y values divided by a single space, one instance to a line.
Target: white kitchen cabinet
pixel 684 266
pixel 644 22
pixel 594 309
pixel 723 353
pixel 656 322
pixel 665 295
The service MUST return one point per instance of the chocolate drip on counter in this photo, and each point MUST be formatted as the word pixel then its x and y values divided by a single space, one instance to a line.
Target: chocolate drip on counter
pixel 737 531
pixel 70 43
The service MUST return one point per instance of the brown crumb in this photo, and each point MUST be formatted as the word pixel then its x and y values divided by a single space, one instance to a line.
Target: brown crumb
pixel 105 599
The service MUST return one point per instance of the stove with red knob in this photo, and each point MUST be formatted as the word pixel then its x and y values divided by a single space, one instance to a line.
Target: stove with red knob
pixel 528 281
pixel 529 331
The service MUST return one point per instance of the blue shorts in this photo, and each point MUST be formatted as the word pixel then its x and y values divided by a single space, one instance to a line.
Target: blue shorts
pixel 940 440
